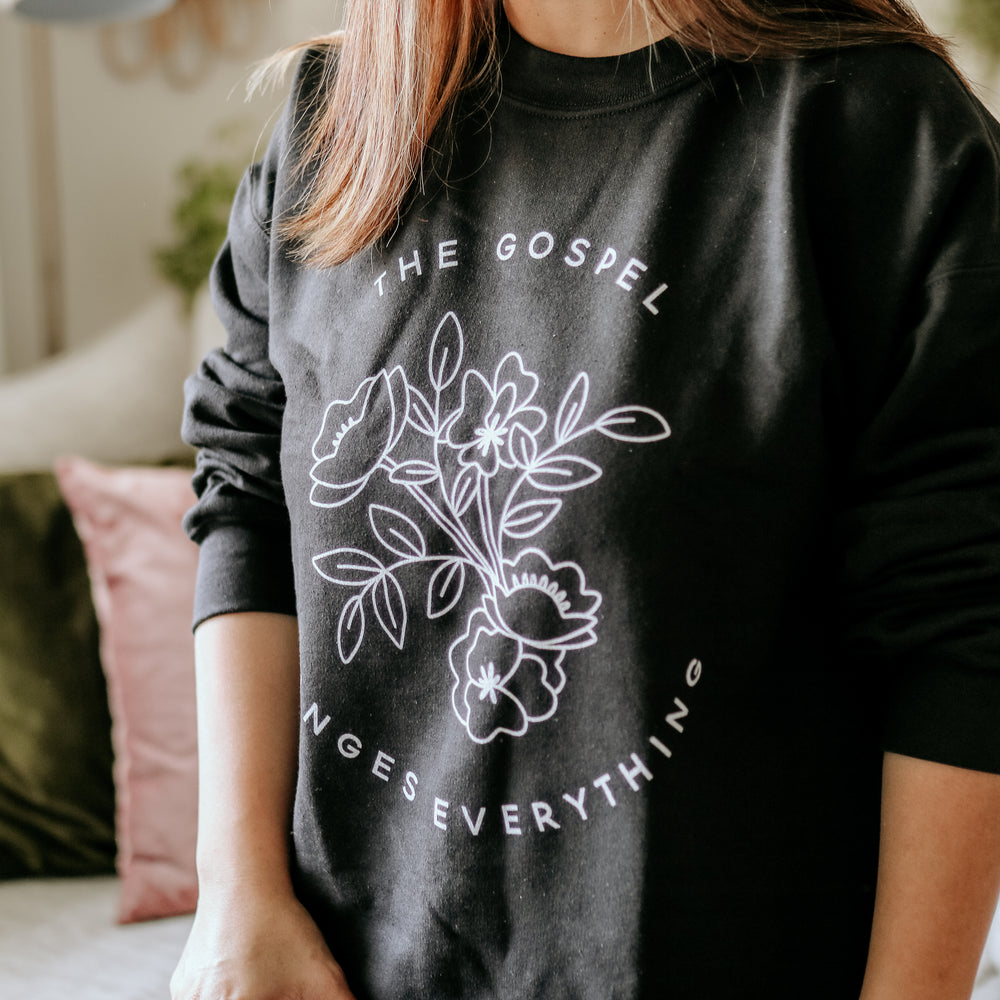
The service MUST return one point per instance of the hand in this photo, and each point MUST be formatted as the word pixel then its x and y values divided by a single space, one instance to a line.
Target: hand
pixel 249 945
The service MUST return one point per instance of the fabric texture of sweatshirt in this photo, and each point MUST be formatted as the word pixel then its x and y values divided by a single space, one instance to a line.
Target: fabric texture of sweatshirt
pixel 633 498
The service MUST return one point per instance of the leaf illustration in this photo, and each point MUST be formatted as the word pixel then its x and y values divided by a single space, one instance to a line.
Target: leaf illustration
pixel 528 518
pixel 351 628
pixel 571 407
pixel 414 473
pixel 420 415
pixel 390 608
pixel 463 491
pixel 523 446
pixel 322 495
pixel 562 473
pixel 445 588
pixel 348 567
pixel 399 394
pixel 397 532
pixel 446 352
pixel 633 423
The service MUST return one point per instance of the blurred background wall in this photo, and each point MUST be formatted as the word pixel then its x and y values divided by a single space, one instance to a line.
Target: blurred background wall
pixel 119 144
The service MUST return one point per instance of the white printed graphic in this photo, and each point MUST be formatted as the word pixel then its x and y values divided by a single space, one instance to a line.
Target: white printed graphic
pixel 490 479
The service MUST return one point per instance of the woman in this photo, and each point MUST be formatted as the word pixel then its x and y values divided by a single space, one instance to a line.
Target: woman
pixel 598 510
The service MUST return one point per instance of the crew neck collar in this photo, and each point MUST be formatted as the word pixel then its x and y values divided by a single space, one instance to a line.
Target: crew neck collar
pixel 536 76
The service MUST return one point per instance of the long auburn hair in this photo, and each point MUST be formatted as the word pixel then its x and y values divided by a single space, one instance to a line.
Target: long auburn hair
pixel 402 64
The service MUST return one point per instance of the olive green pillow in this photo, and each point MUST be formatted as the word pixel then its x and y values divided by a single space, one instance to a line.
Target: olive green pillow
pixel 56 790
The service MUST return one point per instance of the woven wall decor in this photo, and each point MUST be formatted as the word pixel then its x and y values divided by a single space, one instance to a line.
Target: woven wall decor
pixel 185 42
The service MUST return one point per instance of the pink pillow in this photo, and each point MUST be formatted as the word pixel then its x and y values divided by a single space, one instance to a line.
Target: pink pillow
pixel 142 572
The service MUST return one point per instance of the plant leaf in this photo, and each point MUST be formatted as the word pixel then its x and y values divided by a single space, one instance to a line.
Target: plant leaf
pixel 348 567
pixel 397 532
pixel 637 424
pixel 463 490
pixel 390 608
pixel 445 588
pixel 523 447
pixel 420 413
pixel 530 517
pixel 571 407
pixel 414 473
pixel 399 399
pixel 351 628
pixel 564 472
pixel 446 352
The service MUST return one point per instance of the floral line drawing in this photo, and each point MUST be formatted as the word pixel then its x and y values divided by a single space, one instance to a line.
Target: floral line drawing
pixel 488 479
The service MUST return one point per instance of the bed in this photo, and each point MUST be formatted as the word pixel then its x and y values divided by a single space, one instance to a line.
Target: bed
pixel 59 939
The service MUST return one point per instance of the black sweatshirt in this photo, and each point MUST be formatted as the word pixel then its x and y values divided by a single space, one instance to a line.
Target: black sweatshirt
pixel 633 498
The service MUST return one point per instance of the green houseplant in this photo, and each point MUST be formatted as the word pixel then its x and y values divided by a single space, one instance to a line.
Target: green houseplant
pixel 980 21
pixel 199 218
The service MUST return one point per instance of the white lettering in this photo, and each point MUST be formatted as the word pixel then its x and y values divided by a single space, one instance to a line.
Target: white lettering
pixel 410 783
pixel 543 816
pixel 383 765
pixel 608 260
pixel 602 784
pixel 546 238
pixel 313 714
pixel 349 745
pixel 378 283
pixel 630 271
pixel 577 247
pixel 447 253
pixel 474 827
pixel 413 264
pixel 440 813
pixel 652 297
pixel 506 246
pixel 665 750
pixel 638 768
pixel 693 673
pixel 673 718
pixel 577 803
pixel 510 819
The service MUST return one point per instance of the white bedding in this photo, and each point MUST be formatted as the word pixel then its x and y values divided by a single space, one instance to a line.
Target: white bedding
pixel 59 940
pixel 988 980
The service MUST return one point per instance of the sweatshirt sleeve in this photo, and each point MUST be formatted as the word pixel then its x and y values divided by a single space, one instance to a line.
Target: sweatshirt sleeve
pixel 921 532
pixel 234 406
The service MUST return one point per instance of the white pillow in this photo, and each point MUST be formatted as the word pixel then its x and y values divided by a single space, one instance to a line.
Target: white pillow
pixel 118 399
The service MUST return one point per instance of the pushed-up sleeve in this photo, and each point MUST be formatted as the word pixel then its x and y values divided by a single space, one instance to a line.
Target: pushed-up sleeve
pixel 921 532
pixel 234 406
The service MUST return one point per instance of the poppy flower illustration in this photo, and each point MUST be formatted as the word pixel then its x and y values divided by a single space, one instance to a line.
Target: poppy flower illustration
pixel 545 604
pixel 356 435
pixel 501 684
pixel 494 425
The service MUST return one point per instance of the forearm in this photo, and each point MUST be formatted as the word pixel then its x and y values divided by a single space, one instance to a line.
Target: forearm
pixel 251 937
pixel 248 699
pixel 939 871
